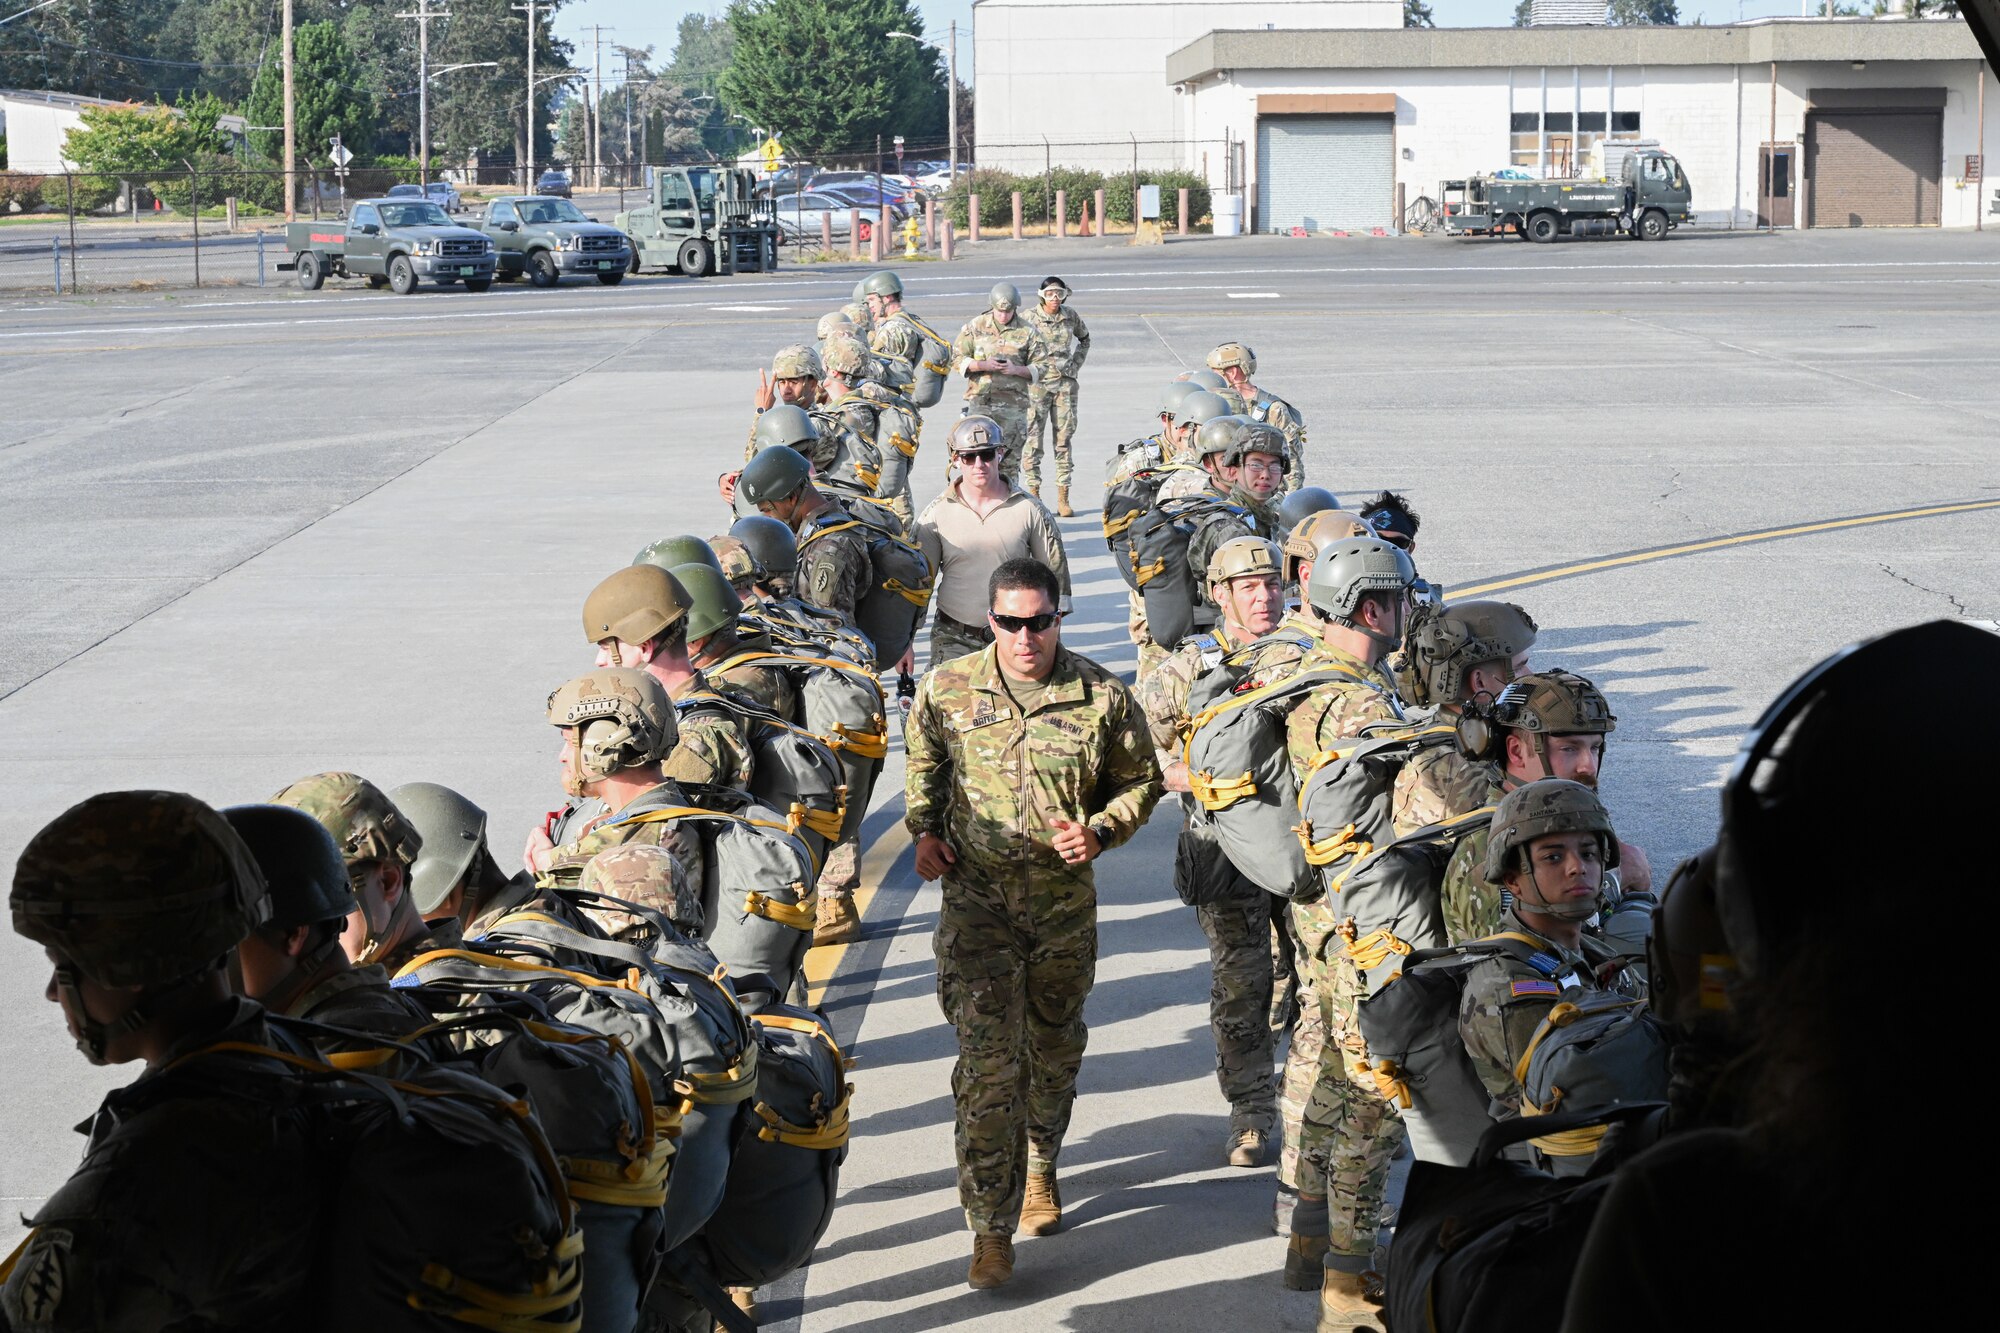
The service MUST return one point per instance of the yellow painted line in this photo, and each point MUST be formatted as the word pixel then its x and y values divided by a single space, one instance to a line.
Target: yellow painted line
pixel 823 963
pixel 1716 544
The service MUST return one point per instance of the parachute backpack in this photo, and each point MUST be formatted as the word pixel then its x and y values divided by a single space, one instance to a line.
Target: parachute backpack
pixel 1126 501
pixel 1240 773
pixel 1594 1052
pixel 841 704
pixel 900 580
pixel 804 630
pixel 933 366
pixel 1175 598
pixel 856 461
pixel 792 771
pixel 785 1175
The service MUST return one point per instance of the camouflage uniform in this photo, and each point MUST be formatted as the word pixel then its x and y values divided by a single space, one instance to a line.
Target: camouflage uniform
pixel 1005 398
pixel 1471 905
pixel 1237 924
pixel 709 746
pixel 360 999
pixel 1273 411
pixel 834 567
pixel 1339 1133
pixel 861 410
pixel 1052 398
pixel 185 1212
pixel 1017 933
pixel 896 336
pixel 568 862
pixel 766 686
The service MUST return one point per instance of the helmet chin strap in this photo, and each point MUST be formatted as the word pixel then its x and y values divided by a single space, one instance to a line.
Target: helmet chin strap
pixel 1580 910
pixel 94 1038
pixel 280 997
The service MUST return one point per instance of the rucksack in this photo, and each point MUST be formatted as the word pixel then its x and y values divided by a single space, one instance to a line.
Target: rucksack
pixel 804 630
pixel 1415 1052
pixel 1594 1051
pixel 1133 459
pixel 1175 597
pixel 1492 1245
pixel 1125 503
pixel 842 704
pixel 785 1175
pixel 856 462
pixel 596 1106
pixel 933 365
pixel 1240 773
pixel 792 771
pixel 900 580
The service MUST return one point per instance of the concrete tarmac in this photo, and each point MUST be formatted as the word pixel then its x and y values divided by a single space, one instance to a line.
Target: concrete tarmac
pixel 245 537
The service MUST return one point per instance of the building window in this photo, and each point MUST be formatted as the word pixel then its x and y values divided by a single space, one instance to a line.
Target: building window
pixel 1571 139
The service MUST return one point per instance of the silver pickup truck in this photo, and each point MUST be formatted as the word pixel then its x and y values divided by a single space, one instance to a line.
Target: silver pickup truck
pixel 549 238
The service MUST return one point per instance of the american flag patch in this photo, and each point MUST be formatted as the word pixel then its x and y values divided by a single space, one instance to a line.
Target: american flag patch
pixel 1535 988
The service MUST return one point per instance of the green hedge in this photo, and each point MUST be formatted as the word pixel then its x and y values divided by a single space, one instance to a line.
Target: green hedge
pixel 995 190
pixel 23 189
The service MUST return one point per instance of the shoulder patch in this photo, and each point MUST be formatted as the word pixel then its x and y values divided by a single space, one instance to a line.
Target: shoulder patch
pixel 1546 964
pixel 1534 988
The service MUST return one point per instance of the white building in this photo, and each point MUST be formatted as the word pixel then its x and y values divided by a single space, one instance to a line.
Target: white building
pixel 1083 77
pixel 36 123
pixel 1868 122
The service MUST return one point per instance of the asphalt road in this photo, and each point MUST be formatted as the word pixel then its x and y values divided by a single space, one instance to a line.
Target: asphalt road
pixel 248 536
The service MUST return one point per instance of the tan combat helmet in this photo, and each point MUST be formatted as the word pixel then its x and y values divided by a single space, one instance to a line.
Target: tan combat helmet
pixel 1540 704
pixel 635 605
pixel 846 356
pixel 973 433
pixel 1446 643
pixel 739 564
pixel 364 822
pixel 1536 810
pixel 837 322
pixel 1315 532
pixel 797 362
pixel 623 719
pixel 1233 354
pixel 1243 557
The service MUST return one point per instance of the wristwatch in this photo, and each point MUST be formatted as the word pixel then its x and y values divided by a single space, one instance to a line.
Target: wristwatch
pixel 1103 836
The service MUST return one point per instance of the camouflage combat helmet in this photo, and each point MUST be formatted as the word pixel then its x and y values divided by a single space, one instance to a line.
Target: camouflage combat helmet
pixel 739 563
pixel 1201 406
pixel 1303 503
pixel 969 434
pixel 1004 296
pixel 682 548
pixel 787 424
pixel 1347 570
pixel 713 604
pixel 1243 557
pixel 454 830
pixel 135 888
pixel 846 355
pixel 365 823
pixel 837 322
pixel 1234 399
pixel 635 605
pixel 1174 395
pixel 797 362
pixel 1206 379
pixel 771 544
pixel 860 294
pixel 648 873
pixel 882 282
pixel 302 868
pixel 623 717
pixel 1555 703
pixel 1311 535
pixel 773 475
pixel 1254 437
pixel 1216 437
pixel 1536 810
pixel 1446 643
pixel 1233 354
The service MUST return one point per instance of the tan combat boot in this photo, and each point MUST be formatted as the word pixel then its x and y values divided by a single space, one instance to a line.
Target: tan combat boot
pixel 838 922
pixel 1246 1147
pixel 1041 1206
pixel 1034 487
pixel 1343 1306
pixel 1062 502
pixel 1305 1258
pixel 992 1261
pixel 745 1299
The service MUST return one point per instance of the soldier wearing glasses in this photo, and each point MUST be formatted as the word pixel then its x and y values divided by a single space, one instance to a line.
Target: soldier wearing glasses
pixel 1025 763
pixel 979 522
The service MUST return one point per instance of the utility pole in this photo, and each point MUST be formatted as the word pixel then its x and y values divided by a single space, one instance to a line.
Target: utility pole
pixel 597 105
pixel 423 15
pixel 528 176
pixel 291 126
pixel 951 107
pixel 629 176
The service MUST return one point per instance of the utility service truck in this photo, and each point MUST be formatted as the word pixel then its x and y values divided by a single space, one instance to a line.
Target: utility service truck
pixel 1649 197
pixel 702 220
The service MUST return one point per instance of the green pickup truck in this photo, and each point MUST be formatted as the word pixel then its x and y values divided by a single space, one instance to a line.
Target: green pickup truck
pixel 393 243
pixel 548 238
pixel 1650 198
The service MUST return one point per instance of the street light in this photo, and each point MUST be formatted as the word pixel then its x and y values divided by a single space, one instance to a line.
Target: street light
pixel 424 109
pixel 951 105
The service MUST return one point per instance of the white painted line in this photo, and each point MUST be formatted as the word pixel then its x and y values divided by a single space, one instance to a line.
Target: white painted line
pixel 759 308
pixel 1251 296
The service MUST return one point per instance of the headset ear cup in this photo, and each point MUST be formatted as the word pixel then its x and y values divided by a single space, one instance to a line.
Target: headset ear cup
pixel 1478 739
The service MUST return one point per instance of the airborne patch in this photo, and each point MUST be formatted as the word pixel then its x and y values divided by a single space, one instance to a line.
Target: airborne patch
pixel 1534 988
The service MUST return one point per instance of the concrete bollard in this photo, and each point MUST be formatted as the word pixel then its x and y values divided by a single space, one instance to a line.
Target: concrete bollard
pixel 854 233
pixel 972 218
pixel 229 207
pixel 826 232
pixel 55 253
pixel 1098 212
pixel 1062 213
pixel 947 240
pixel 930 224
pixel 882 225
pixel 875 245
pixel 1184 207
pixel 1017 215
pixel 260 257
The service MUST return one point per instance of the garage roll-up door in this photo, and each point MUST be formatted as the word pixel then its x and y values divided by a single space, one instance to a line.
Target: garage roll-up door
pixel 1874 168
pixel 1325 172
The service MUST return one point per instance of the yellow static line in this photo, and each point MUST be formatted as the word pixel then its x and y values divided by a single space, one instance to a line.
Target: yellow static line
pixel 823 963
pixel 1715 544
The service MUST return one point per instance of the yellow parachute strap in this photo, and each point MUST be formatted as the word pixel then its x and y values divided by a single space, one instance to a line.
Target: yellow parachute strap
pixel 826 823
pixel 917 597
pixel 1251 698
pixel 1559 1017
pixel 734 1084
pixel 831 528
pixel 867 744
pixel 8 1264
pixel 374 1059
pixel 504 1312
pixel 829 1132
pixel 1389 1081
pixel 1374 949
pixel 1570 1142
pixel 870 477
pixel 1220 793
pixel 1114 527
pixel 905 446
pixel 811 1027
pixel 1144 574
pixel 798 918
pixel 1325 851
pixel 798 659
pixel 642 1181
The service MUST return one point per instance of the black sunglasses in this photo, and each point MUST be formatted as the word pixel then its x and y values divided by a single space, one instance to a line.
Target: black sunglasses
pixel 1034 624
pixel 978 456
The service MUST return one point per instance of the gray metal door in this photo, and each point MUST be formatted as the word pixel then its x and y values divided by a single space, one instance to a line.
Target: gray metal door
pixel 1874 169
pixel 1325 172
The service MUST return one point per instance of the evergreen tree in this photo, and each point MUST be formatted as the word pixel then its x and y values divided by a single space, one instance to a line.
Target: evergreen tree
pixel 826 78
pixel 327 97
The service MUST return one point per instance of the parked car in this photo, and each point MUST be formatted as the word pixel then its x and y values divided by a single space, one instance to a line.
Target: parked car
pixel 445 195
pixel 786 180
pixel 799 216
pixel 406 192
pixel 867 200
pixel 553 182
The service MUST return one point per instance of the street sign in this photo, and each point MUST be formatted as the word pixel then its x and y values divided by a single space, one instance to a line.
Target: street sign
pixel 1973 166
pixel 774 153
pixel 899 150
pixel 1149 201
pixel 341 154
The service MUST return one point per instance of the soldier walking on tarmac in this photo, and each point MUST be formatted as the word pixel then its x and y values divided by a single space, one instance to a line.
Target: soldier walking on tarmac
pixel 1025 763
pixel 1236 363
pixel 998 352
pixel 1052 399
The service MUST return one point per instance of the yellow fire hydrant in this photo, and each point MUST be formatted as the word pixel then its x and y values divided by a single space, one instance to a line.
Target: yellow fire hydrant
pixel 910 234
